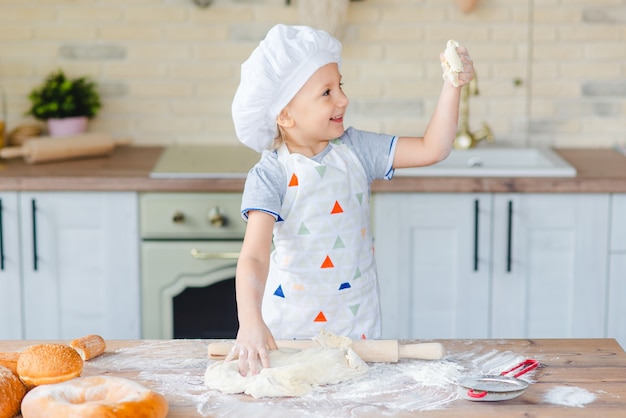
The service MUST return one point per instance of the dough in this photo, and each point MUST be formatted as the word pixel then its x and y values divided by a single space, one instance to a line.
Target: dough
pixel 292 373
pixel 452 64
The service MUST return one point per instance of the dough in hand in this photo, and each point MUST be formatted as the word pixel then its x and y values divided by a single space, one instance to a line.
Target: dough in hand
pixel 452 64
pixel 292 373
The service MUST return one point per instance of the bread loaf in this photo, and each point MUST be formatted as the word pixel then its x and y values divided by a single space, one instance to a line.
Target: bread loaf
pixel 89 346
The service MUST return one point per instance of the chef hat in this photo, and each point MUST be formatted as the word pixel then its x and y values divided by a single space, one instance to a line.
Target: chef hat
pixel 273 74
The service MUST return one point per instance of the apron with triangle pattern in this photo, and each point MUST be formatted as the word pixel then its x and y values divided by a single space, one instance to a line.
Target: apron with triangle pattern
pixel 322 271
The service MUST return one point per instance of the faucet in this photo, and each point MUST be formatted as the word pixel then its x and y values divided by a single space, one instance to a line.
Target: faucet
pixel 465 139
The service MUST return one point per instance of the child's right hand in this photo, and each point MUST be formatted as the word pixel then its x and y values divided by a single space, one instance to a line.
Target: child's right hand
pixel 253 347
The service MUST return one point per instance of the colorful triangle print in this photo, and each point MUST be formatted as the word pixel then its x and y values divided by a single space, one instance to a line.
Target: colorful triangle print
pixel 321 170
pixel 303 230
pixel 339 243
pixel 355 308
pixel 345 285
pixel 357 273
pixel 294 180
pixel 320 317
pixel 279 292
pixel 359 197
pixel 336 209
pixel 327 264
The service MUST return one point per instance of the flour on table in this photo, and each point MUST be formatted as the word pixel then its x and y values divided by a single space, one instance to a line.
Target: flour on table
pixel 292 372
pixel 569 396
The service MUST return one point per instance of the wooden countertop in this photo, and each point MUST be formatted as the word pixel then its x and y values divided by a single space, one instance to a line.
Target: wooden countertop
pixel 128 169
pixel 595 367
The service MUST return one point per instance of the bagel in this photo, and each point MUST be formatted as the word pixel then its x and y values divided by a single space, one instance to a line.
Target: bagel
pixel 43 364
pixel 94 397
pixel 12 391
pixel 89 346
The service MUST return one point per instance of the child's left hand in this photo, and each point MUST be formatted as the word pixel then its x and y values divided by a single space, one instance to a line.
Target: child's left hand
pixel 467 74
pixel 459 79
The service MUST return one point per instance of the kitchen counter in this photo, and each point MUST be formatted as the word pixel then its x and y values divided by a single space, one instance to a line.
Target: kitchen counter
pixel 128 169
pixel 595 368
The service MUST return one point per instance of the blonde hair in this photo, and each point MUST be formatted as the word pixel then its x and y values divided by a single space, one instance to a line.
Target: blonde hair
pixel 280 138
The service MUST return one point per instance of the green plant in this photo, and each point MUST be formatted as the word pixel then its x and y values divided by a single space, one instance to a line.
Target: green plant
pixel 61 97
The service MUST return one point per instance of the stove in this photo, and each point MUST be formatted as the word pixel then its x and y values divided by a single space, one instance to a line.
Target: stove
pixel 205 161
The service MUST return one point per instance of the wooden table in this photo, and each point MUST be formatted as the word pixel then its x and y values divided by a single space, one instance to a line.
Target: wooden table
pixel 175 368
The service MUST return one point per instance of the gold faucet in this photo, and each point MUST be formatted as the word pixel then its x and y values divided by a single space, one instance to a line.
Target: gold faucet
pixel 464 138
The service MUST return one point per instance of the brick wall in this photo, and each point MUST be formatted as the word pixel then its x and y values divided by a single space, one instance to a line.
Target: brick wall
pixel 550 72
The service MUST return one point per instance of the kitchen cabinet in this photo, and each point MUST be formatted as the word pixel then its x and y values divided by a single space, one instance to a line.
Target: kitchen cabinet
pixel 71 265
pixel 10 264
pixel 464 265
pixel 433 263
pixel 617 271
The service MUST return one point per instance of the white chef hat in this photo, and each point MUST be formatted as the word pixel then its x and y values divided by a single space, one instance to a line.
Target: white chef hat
pixel 273 74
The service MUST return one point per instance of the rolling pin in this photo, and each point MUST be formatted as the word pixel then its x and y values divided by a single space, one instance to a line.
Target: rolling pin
pixel 373 351
pixel 42 149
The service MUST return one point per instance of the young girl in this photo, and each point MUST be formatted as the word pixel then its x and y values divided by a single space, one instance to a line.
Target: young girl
pixel 309 193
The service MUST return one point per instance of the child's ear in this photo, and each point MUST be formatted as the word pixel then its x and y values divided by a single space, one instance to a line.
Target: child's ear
pixel 284 119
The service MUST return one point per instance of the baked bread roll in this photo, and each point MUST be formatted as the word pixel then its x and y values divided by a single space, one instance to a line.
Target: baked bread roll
pixel 89 346
pixel 43 364
pixel 9 360
pixel 94 397
pixel 12 392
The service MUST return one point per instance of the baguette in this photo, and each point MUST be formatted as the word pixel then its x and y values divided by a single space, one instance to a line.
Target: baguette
pixel 89 346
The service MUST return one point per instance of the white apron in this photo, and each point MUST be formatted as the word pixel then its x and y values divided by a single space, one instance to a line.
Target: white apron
pixel 322 272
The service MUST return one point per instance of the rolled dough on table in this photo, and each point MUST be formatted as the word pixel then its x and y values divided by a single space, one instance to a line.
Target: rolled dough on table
pixel 292 373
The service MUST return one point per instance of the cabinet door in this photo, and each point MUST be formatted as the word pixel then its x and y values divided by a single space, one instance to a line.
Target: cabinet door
pixel 10 280
pixel 432 253
pixel 617 271
pixel 549 265
pixel 80 254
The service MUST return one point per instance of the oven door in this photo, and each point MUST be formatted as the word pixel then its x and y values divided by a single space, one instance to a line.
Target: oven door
pixel 188 289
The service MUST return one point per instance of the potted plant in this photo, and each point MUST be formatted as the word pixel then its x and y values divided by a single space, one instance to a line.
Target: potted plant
pixel 64 104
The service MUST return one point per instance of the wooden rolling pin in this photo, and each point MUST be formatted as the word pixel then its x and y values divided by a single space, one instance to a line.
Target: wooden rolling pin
pixel 42 149
pixel 377 351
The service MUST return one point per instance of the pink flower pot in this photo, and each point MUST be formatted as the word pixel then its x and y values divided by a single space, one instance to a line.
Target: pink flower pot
pixel 67 126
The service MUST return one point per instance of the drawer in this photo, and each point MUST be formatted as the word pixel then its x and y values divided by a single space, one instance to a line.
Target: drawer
pixel 191 216
pixel 618 222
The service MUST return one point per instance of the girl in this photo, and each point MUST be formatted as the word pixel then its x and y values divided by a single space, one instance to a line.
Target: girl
pixel 308 196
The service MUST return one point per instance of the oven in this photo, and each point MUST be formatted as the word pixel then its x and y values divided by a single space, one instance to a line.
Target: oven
pixel 189 248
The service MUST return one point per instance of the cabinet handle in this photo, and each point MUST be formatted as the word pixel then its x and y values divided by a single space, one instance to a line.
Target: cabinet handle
pixel 211 256
pixel 35 255
pixel 509 248
pixel 476 210
pixel 1 239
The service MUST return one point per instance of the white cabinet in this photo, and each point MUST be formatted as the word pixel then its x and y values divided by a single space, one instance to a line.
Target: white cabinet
pixel 10 265
pixel 492 265
pixel 549 265
pixel 432 254
pixel 617 271
pixel 72 265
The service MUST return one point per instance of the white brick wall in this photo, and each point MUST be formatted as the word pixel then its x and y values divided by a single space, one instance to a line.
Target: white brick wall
pixel 550 72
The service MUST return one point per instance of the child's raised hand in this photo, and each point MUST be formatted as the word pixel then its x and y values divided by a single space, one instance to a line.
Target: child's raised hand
pixel 457 65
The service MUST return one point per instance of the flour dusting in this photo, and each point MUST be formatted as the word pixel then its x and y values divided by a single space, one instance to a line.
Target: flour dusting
pixel 569 396
pixel 176 370
pixel 435 373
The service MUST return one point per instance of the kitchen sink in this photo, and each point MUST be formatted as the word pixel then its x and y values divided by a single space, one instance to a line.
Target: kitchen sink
pixel 496 162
